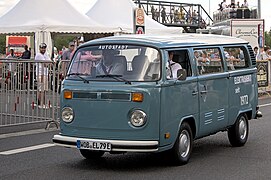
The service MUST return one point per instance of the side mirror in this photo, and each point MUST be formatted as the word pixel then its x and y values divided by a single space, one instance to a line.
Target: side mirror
pixel 181 74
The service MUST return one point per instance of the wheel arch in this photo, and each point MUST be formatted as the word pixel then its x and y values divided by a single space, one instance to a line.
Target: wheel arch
pixel 192 123
pixel 248 113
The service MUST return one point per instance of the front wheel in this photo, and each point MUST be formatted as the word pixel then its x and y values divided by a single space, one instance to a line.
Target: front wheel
pixel 183 146
pixel 238 133
pixel 89 154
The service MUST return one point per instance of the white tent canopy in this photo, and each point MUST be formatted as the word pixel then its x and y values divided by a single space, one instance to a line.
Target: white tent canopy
pixel 44 17
pixel 120 14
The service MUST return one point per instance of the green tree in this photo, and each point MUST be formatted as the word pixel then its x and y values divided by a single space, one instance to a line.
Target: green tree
pixel 2 44
pixel 60 41
pixel 267 36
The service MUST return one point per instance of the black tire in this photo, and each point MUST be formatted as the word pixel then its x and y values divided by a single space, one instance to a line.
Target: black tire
pixel 88 154
pixel 180 153
pixel 238 133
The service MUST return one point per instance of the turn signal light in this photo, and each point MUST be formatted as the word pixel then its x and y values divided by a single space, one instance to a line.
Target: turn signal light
pixel 167 135
pixel 137 97
pixel 67 94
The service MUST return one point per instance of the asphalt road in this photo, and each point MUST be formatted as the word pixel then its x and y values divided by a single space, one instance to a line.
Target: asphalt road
pixel 212 158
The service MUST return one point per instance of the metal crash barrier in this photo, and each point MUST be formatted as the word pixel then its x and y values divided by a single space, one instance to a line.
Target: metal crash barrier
pixel 29 91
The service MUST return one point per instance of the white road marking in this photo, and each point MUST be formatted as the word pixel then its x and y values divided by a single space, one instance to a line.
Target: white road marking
pixel 26 149
pixel 263 105
pixel 23 133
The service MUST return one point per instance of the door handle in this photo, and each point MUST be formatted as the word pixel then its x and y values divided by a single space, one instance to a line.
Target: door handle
pixel 194 93
pixel 203 92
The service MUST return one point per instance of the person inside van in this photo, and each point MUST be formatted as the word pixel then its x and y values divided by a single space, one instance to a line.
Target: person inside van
pixel 172 67
pixel 108 65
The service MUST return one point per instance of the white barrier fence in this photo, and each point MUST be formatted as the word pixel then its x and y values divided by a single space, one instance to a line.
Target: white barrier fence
pixel 29 91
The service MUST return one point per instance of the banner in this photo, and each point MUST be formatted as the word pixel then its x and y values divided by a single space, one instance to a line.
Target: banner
pixel 262 73
pixel 139 25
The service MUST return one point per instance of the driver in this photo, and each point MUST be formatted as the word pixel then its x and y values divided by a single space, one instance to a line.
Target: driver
pixel 108 65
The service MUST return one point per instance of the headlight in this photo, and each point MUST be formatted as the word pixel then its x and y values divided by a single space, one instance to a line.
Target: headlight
pixel 138 118
pixel 67 114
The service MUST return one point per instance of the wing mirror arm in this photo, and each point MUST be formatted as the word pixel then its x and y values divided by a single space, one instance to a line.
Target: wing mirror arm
pixel 181 74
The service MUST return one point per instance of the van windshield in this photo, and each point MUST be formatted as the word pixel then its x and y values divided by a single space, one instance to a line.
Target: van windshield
pixel 106 62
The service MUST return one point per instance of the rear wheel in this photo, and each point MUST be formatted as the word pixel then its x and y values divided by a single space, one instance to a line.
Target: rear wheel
pixel 238 133
pixel 182 148
pixel 88 154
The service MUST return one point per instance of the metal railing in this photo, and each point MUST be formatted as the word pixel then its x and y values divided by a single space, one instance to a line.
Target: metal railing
pixel 186 15
pixel 29 91
pixel 235 13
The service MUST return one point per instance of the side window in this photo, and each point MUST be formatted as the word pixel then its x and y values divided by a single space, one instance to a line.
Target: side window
pixel 236 58
pixel 208 60
pixel 178 59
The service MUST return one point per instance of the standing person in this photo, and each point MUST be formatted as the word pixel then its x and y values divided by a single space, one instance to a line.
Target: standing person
pixel 172 15
pixel 67 54
pixel 163 15
pixel 224 4
pixel 11 66
pixel 26 54
pixel 152 12
pixel 245 5
pixel 42 75
pixel 255 49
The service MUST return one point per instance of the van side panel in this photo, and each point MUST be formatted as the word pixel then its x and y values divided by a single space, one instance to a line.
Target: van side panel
pixel 243 94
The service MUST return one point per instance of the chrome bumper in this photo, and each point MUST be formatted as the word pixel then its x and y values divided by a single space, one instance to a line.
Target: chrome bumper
pixel 117 145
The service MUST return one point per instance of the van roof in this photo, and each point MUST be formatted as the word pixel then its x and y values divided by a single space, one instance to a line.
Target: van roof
pixel 182 40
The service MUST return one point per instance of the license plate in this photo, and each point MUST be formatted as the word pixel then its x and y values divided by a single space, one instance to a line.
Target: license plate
pixel 92 145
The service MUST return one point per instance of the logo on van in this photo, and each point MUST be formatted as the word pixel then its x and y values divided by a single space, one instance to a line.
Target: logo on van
pixel 242 79
pixel 113 47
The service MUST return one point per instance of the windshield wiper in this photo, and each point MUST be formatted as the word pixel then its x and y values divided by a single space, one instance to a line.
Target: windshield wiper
pixel 79 75
pixel 116 77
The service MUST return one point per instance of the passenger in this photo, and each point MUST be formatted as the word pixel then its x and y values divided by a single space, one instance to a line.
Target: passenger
pixel 172 67
pixel 108 65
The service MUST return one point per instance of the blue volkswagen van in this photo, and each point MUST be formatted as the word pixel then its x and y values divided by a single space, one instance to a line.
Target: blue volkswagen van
pixel 121 94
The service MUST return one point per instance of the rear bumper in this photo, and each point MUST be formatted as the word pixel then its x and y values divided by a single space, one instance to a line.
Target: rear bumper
pixel 117 145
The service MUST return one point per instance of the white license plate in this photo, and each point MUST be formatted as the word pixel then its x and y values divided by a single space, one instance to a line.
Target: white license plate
pixel 92 145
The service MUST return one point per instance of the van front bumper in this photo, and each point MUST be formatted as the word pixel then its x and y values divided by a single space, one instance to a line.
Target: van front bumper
pixel 116 145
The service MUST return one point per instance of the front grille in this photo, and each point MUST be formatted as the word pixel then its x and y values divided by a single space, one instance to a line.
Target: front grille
pixel 102 96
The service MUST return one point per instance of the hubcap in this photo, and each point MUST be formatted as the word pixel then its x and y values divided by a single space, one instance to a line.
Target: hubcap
pixel 184 143
pixel 242 128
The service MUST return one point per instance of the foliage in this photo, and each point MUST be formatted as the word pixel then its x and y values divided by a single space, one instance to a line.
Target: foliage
pixel 2 44
pixel 60 41
pixel 268 38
